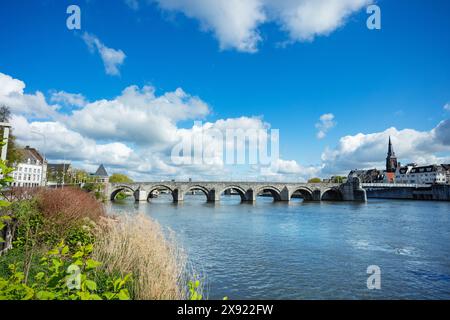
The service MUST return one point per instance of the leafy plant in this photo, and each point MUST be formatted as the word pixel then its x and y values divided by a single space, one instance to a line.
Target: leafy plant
pixel 5 179
pixel 194 292
pixel 64 277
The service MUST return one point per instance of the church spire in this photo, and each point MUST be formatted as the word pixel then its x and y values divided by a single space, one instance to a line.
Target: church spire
pixel 391 159
pixel 390 148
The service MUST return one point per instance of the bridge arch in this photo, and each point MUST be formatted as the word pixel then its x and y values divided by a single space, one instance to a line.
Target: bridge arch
pixel 305 193
pixel 197 188
pixel 238 189
pixel 118 189
pixel 159 188
pixel 331 194
pixel 276 194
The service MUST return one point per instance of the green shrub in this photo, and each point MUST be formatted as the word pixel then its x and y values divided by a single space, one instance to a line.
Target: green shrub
pixel 64 277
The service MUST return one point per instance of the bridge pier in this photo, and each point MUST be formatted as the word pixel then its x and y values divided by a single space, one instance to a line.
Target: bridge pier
pixel 353 191
pixel 316 195
pixel 250 196
pixel 284 195
pixel 213 196
pixel 178 195
pixel 140 195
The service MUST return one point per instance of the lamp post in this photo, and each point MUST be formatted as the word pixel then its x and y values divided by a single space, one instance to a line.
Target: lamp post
pixel 45 140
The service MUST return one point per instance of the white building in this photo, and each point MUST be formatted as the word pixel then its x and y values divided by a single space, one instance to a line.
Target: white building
pixel 432 174
pixel 31 171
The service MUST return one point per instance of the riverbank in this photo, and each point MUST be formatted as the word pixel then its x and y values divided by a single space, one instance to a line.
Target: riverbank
pixel 63 245
pixel 436 192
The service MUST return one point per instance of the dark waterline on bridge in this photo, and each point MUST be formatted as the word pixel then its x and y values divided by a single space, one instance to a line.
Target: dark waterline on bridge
pixel 310 250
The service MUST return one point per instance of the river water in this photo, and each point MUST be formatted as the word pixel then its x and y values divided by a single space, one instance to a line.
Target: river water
pixel 308 250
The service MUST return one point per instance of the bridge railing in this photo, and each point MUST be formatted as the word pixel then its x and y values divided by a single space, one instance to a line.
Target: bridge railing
pixel 394 185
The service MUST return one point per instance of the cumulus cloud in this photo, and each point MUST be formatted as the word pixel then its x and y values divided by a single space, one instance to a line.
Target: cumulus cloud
pixel 236 23
pixel 69 99
pixel 34 105
pixel 138 116
pixel 233 22
pixel 137 131
pixel 447 106
pixel 63 143
pixel 362 151
pixel 306 19
pixel 325 124
pixel 112 58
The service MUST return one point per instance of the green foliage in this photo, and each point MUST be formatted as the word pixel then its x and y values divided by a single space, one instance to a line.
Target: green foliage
pixel 80 235
pixel 29 223
pixel 5 179
pixel 33 230
pixel 315 180
pixel 122 195
pixel 65 276
pixel 338 179
pixel 120 178
pixel 194 290
pixel 96 188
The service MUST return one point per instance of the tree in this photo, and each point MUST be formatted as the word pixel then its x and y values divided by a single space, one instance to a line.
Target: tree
pixel 5 114
pixel 120 178
pixel 338 179
pixel 14 155
pixel 315 180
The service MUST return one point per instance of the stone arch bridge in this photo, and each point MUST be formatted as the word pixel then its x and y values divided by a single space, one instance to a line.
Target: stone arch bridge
pixel 248 191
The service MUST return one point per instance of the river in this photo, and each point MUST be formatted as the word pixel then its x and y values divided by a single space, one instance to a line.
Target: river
pixel 309 250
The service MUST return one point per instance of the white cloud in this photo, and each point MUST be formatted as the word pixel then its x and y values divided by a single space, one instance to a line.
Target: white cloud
pixel 61 142
pixel 325 124
pixel 136 131
pixel 138 116
pixel 447 106
pixel 12 94
pixel 133 133
pixel 112 58
pixel 236 23
pixel 233 22
pixel 306 19
pixel 70 99
pixel 362 151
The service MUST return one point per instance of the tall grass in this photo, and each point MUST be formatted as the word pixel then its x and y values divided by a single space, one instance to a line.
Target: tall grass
pixel 138 245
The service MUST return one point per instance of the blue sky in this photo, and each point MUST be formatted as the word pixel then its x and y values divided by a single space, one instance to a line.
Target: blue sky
pixel 370 81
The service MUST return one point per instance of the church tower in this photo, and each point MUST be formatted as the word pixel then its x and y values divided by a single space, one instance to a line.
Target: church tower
pixel 391 160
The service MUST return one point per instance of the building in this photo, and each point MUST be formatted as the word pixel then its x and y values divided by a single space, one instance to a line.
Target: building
pixel 100 176
pixel 31 171
pixel 57 173
pixel 432 174
pixel 447 169
pixel 410 174
pixel 368 176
